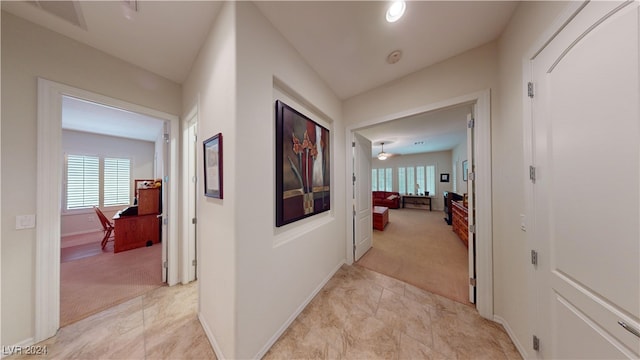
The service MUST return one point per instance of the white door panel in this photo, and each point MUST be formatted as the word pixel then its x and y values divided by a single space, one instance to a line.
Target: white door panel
pixel 471 207
pixel 587 191
pixel 363 219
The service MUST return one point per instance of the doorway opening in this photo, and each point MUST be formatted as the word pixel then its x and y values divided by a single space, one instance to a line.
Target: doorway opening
pixel 49 196
pixel 110 252
pixel 435 179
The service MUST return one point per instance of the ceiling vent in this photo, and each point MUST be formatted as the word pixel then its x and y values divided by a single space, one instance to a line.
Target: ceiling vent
pixel 69 11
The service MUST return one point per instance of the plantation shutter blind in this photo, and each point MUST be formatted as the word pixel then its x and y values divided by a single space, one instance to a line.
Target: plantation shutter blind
pixel 83 181
pixel 117 181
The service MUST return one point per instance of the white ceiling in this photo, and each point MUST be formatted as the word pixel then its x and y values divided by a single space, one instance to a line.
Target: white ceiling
pixel 81 115
pixel 438 130
pixel 346 42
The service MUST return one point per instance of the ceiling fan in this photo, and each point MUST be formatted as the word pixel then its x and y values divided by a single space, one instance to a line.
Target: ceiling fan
pixel 383 155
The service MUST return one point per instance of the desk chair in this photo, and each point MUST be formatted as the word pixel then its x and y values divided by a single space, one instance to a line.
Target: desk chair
pixel 107 226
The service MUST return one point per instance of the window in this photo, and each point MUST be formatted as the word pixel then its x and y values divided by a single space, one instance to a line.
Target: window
pixel 374 180
pixel 83 181
pixel 388 184
pixel 117 181
pixel 402 181
pixel 382 179
pixel 422 176
pixel 95 181
pixel 431 180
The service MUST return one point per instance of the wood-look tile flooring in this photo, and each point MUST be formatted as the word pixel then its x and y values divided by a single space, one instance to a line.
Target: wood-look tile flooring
pixel 359 314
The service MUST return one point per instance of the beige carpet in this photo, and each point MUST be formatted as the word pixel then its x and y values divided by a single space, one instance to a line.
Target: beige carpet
pixel 95 283
pixel 418 247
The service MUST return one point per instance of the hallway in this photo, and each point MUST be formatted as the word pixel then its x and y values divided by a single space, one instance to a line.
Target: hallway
pixel 359 314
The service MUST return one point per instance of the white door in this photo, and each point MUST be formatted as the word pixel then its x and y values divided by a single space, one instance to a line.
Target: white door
pixel 586 148
pixel 362 212
pixel 471 208
pixel 189 195
pixel 165 206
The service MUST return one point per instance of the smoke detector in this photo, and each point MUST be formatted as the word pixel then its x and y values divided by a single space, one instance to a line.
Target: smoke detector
pixel 394 56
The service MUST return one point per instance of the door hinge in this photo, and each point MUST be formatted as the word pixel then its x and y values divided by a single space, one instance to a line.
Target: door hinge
pixel 530 89
pixel 472 228
pixel 165 265
pixel 471 123
pixel 353 144
pixel 472 176
pixel 165 221
pixel 472 281
pixel 166 137
pixel 193 262
pixel 532 173
pixel 194 179
pixel 354 178
pixel 534 257
pixel 536 343
pixel 195 138
pixel 194 221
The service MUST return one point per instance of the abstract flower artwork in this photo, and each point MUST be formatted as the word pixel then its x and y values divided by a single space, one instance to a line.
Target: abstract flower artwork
pixel 302 166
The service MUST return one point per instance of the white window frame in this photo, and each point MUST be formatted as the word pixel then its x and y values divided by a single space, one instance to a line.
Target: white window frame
pixel 101 173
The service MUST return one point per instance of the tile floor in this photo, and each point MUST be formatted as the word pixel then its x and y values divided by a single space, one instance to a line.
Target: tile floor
pixel 359 314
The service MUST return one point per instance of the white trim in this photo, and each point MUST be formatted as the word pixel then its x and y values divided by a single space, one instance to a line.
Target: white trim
pixel 295 314
pixel 512 336
pixel 528 154
pixel 207 331
pixel 49 189
pixel 484 234
pixel 187 122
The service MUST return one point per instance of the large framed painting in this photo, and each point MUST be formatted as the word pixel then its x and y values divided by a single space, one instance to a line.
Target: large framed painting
pixel 303 186
pixel 213 166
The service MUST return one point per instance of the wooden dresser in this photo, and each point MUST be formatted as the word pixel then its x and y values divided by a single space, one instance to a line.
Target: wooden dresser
pixel 459 221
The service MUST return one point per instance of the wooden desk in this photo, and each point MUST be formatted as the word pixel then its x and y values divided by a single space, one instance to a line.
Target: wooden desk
pixel 417 200
pixel 135 231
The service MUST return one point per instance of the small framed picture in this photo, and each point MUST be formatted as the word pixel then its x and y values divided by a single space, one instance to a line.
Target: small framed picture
pixel 213 166
pixel 444 177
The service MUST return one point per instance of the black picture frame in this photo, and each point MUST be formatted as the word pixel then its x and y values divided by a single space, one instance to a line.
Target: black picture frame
pixel 444 177
pixel 212 154
pixel 465 171
pixel 303 166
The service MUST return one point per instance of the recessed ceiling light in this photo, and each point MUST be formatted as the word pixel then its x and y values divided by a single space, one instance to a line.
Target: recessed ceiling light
pixel 396 10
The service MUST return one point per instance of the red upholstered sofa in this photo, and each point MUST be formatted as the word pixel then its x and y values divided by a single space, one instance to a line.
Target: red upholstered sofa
pixel 386 198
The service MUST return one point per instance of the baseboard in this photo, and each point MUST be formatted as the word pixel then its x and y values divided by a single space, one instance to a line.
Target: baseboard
pixel 512 336
pixel 15 349
pixel 212 339
pixel 84 232
pixel 293 316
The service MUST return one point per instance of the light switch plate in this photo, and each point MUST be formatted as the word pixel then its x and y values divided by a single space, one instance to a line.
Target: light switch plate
pixel 25 222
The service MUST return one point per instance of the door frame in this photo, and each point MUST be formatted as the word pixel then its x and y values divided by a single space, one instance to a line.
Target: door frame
pixel 48 196
pixel 187 196
pixel 484 216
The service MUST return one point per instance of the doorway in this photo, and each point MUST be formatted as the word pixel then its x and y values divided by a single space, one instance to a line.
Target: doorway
pixel 106 153
pixel 49 165
pixel 482 165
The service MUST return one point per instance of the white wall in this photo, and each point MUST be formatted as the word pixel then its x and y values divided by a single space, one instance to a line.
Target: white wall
pixel 458 155
pixel 442 161
pixel 280 266
pixel 211 86
pixel 29 51
pixel 140 152
pixel 253 276
pixel 511 256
